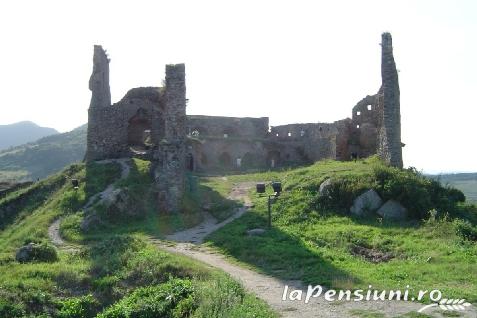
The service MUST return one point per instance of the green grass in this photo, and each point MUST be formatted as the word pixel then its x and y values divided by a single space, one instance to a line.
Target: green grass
pixel 366 313
pixel 15 175
pixel 312 240
pixel 113 266
pixel 213 193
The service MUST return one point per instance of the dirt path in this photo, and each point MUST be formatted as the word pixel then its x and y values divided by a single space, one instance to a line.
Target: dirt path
pixel 197 233
pixel 271 289
pixel 54 228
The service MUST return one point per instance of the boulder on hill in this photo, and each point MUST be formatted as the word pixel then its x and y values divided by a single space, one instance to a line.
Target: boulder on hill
pixel 366 203
pixel 325 188
pixel 392 210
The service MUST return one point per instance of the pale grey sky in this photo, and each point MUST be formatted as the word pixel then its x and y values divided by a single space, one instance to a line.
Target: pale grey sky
pixel 294 61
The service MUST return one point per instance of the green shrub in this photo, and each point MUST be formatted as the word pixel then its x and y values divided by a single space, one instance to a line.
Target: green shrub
pixel 44 252
pixel 11 309
pixel 465 230
pixel 79 307
pixel 113 253
pixel 342 193
pixel 413 190
pixel 217 297
pixel 172 299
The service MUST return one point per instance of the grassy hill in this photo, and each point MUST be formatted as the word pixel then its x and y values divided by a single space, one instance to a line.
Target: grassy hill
pixel 22 132
pixel 315 239
pixel 113 272
pixel 43 157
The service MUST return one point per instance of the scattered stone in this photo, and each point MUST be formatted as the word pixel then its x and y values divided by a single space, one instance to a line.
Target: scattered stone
pixel 36 252
pixel 393 210
pixel 366 203
pixel 256 232
pixel 370 254
pixel 325 188
pixel 118 204
pixel 91 222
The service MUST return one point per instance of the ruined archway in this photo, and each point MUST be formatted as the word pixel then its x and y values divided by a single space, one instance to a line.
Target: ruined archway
pixel 225 160
pixel 273 158
pixel 251 161
pixel 139 130
pixel 190 162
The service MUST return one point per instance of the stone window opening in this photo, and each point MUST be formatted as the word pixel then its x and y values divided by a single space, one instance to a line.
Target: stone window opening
pixel 229 132
pixel 289 134
pixel 277 134
pixel 357 126
pixel 302 133
pixel 358 113
pixel 370 107
pixel 321 128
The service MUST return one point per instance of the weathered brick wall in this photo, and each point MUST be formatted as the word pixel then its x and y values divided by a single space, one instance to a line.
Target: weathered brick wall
pixel 218 126
pixel 108 127
pixel 365 125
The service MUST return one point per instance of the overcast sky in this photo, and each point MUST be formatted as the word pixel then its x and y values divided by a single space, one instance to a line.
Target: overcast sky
pixel 294 61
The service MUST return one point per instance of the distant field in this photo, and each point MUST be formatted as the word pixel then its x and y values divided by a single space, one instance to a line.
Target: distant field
pixel 469 187
pixel 12 175
pixel 466 182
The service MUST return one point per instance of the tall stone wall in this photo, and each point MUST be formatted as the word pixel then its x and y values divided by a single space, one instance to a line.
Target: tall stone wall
pixel 365 126
pixel 99 80
pixel 224 127
pixel 390 146
pixel 169 154
pixel 100 98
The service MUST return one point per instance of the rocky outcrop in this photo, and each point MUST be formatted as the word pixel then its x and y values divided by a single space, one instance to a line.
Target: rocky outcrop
pixel 325 188
pixel 366 203
pixel 114 205
pixel 256 232
pixel 392 210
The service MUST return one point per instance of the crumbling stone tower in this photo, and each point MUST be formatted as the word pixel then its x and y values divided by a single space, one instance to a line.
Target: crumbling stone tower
pixel 149 122
pixel 170 154
pixel 390 146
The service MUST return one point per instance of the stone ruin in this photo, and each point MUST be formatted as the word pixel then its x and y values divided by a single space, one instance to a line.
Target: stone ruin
pixel 151 123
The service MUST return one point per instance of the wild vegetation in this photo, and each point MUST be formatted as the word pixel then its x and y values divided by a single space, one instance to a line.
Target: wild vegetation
pixel 112 272
pixel 316 240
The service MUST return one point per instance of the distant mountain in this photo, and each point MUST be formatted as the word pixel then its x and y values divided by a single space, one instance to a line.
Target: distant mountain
pixel 22 132
pixel 466 182
pixel 43 157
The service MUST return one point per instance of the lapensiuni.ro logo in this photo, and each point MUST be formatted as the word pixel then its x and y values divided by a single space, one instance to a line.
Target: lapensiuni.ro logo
pixel 370 294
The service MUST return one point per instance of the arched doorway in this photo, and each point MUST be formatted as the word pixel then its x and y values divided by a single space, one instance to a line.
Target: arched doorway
pixel 273 159
pixel 139 130
pixel 250 161
pixel 190 162
pixel 225 160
